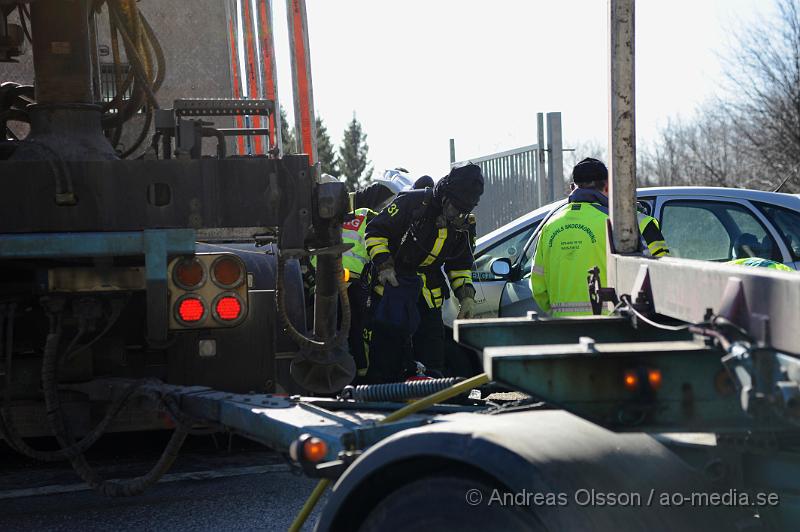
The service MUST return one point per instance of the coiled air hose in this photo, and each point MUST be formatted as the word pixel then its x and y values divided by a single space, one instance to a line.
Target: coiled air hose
pixel 407 410
pixel 398 391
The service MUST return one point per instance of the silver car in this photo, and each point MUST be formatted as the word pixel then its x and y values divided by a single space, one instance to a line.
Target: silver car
pixel 704 223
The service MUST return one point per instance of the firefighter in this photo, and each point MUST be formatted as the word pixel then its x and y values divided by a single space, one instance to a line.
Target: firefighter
pixel 573 241
pixel 410 243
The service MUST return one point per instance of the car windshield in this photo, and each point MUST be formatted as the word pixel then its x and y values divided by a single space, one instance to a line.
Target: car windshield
pixel 788 224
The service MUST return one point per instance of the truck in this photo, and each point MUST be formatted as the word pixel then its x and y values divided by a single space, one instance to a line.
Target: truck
pixel 175 265
pixel 677 411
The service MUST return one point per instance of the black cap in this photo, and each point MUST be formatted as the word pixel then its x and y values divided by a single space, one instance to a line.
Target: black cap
pixel 463 186
pixel 589 170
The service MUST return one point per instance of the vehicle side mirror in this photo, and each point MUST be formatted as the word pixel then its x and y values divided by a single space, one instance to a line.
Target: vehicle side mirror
pixel 501 267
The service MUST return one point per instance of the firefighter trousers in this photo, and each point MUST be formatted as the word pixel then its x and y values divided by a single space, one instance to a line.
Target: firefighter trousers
pixel 391 353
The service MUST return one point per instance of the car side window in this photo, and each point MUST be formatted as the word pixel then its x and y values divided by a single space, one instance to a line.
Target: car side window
pixel 787 222
pixel 714 230
pixel 510 248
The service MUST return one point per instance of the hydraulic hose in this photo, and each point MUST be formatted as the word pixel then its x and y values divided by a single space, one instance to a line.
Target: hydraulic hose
pixel 300 339
pixel 412 408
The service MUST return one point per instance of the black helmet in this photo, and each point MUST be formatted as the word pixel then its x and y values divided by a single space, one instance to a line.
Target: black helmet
pixel 463 186
pixel 425 181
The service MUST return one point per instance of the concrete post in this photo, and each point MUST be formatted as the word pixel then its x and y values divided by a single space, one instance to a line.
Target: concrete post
pixel 541 171
pixel 622 126
pixel 555 162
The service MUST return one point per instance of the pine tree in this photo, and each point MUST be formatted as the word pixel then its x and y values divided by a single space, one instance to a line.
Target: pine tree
pixel 287 135
pixel 327 157
pixel 352 161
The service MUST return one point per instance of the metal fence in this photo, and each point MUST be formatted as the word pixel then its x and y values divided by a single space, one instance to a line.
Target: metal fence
pixel 514 186
pixel 518 181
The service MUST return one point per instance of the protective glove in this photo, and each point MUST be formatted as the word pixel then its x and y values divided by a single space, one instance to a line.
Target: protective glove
pixel 388 275
pixel 467 309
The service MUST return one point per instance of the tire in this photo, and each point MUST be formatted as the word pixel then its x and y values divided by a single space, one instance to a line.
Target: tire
pixel 440 503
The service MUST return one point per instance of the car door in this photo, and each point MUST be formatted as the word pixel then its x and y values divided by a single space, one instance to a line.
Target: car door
pixel 787 224
pixel 717 228
pixel 488 286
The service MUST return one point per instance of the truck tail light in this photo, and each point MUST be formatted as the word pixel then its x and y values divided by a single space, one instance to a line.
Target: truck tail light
pixel 190 310
pixel 654 378
pixel 227 272
pixel 207 291
pixel 228 308
pixel 189 273
pixel 631 381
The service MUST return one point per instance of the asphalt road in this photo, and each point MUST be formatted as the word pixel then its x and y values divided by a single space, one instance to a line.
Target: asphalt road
pixel 210 487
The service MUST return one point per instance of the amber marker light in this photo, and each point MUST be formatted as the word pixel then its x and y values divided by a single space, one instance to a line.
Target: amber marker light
pixel 654 378
pixel 315 450
pixel 346 274
pixel 631 381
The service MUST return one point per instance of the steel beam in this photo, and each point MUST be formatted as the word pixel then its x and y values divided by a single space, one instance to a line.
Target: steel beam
pixel 304 116
pixel 588 380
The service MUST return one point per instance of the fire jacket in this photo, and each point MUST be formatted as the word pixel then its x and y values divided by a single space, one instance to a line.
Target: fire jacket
pixel 408 232
pixel 572 242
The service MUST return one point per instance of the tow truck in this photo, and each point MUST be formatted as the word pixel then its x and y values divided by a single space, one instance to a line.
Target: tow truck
pixel 677 411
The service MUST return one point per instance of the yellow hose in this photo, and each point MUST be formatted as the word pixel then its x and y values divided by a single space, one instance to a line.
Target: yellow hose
pixel 416 406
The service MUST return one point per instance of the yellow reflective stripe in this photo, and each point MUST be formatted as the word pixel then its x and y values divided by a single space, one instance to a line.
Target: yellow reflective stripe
pixel 437 297
pixel 577 306
pixel 373 240
pixel 378 289
pixel 459 277
pixel 452 274
pixel 458 283
pixel 377 250
pixel 658 248
pixel 425 292
pixel 437 247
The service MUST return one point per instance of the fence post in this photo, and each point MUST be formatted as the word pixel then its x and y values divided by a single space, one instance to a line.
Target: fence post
pixel 555 166
pixel 452 151
pixel 541 173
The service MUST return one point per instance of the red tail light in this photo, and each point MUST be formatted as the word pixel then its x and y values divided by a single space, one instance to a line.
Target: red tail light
pixel 191 310
pixel 228 308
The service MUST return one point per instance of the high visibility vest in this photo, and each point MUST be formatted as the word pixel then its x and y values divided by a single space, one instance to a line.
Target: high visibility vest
pixel 353 232
pixel 571 243
pixel 762 263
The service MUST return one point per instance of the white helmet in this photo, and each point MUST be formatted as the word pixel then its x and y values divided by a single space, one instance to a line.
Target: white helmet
pixel 327 178
pixel 396 180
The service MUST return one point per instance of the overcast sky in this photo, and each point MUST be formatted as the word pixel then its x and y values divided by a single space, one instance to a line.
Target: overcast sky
pixel 419 72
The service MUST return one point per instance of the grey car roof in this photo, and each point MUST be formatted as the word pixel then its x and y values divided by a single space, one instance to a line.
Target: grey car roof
pixel 791 201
